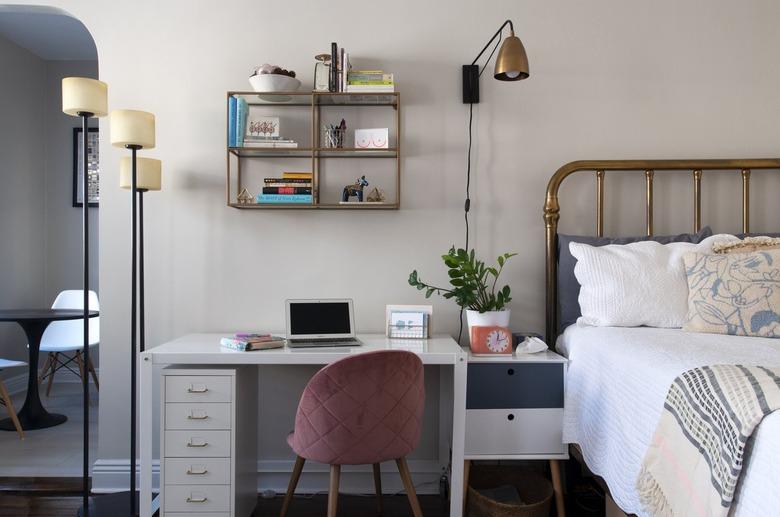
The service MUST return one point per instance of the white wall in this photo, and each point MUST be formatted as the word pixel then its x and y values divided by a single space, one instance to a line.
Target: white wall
pixel 609 79
pixel 22 184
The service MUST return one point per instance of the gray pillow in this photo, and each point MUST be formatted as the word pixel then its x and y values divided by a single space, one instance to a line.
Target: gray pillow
pixel 569 288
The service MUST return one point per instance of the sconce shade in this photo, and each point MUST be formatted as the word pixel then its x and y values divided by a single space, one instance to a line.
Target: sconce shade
pixel 132 128
pixel 84 95
pixel 148 173
pixel 511 62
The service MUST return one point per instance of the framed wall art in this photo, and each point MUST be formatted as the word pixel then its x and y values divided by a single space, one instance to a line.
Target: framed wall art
pixel 93 167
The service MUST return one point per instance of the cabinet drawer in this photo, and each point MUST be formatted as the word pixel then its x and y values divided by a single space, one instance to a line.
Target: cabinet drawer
pixel 189 415
pixel 514 385
pixel 514 431
pixel 209 514
pixel 195 499
pixel 197 471
pixel 198 388
pixel 197 444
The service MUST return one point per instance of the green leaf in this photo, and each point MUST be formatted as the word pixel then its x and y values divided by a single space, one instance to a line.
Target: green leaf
pixel 429 292
pixel 493 271
pixel 500 260
pixel 457 282
pixel 420 287
pixel 455 273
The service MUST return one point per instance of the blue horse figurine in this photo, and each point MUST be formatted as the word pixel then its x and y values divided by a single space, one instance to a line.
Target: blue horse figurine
pixel 355 190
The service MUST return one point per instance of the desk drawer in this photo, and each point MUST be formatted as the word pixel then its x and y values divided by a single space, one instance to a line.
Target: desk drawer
pixel 198 388
pixel 514 385
pixel 209 514
pixel 514 431
pixel 190 415
pixel 195 499
pixel 197 471
pixel 197 444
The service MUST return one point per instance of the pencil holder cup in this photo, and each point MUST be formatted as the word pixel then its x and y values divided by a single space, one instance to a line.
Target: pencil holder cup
pixel 333 137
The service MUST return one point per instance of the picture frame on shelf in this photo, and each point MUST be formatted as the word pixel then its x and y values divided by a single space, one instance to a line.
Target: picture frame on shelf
pixel 408 321
pixel 93 167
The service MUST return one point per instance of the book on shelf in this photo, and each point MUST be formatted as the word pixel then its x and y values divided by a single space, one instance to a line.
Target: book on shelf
pixel 369 78
pixel 270 145
pixel 288 184
pixel 296 182
pixel 242 110
pixel 285 198
pixel 287 190
pixel 297 175
pixel 370 88
pixel 259 138
pixel 232 105
pixel 248 344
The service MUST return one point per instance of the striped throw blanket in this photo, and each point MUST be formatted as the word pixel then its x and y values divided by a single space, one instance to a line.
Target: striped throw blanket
pixel 693 464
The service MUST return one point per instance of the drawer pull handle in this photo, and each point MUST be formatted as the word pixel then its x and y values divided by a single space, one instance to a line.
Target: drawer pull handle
pixel 197 499
pixel 194 389
pixel 511 371
pixel 201 472
pixel 510 417
pixel 193 416
pixel 193 444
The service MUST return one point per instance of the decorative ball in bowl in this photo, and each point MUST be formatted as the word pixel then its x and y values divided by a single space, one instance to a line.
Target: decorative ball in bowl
pixel 272 78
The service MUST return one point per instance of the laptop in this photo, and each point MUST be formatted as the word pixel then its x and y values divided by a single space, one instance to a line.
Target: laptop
pixel 318 323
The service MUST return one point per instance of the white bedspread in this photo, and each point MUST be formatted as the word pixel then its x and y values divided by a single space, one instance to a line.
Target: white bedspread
pixel 616 385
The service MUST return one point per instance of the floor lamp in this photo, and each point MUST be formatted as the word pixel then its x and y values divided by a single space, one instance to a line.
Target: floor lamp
pixel 85 98
pixel 134 130
pixel 148 177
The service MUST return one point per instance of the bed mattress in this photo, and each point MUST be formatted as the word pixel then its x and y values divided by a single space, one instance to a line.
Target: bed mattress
pixel 616 386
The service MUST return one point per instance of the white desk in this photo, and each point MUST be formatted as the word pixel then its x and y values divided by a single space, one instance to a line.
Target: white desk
pixel 204 350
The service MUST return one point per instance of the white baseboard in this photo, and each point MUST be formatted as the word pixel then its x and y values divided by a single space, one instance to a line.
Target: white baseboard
pixel 112 475
pixel 18 383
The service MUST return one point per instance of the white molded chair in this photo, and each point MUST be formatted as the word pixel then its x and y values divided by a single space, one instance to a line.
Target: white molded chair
pixel 5 398
pixel 67 337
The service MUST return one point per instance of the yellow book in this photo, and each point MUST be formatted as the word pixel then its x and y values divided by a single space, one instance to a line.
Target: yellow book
pixel 297 175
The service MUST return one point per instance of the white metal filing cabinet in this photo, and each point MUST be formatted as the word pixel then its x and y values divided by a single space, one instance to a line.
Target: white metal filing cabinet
pixel 208 447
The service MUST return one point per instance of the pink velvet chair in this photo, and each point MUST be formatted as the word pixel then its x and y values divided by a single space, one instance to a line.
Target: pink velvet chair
pixel 360 410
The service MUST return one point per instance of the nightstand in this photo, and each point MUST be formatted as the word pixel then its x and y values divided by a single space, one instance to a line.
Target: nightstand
pixel 514 411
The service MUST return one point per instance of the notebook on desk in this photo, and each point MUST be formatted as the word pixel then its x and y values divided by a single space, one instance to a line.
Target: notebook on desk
pixel 320 323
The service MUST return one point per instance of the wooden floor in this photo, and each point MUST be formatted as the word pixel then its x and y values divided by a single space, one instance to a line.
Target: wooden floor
pixel 21 504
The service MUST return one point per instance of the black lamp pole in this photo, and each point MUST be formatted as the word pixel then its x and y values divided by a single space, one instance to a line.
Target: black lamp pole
pixel 133 328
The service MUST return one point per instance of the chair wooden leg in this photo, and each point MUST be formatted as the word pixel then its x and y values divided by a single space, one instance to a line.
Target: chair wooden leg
pixel 11 411
pixel 333 493
pixel 555 473
pixel 54 363
pixel 92 371
pixel 45 369
pixel 82 369
pixel 378 488
pixel 296 475
pixel 466 471
pixel 403 469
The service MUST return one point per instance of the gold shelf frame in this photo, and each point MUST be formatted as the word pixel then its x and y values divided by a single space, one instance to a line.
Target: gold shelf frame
pixel 552 207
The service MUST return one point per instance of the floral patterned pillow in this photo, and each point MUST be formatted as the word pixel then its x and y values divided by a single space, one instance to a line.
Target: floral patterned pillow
pixel 737 294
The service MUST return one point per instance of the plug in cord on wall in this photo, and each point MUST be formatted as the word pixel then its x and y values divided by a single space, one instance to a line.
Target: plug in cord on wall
pixel 467 204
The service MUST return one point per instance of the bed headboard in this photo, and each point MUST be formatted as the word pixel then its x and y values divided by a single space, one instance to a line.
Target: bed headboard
pixel 647 168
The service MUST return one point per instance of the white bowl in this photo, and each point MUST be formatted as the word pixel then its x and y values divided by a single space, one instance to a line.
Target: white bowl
pixel 274 83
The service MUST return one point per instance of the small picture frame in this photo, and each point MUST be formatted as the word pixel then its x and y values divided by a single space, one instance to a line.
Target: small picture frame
pixel 93 167
pixel 261 127
pixel 408 321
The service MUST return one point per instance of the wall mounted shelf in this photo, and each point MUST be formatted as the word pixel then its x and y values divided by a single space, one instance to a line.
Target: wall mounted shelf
pixel 308 111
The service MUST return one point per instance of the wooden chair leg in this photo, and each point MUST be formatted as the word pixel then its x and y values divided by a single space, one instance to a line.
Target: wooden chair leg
pixel 54 364
pixel 378 488
pixel 296 475
pixel 82 368
pixel 11 411
pixel 403 469
pixel 45 369
pixel 333 493
pixel 555 473
pixel 466 472
pixel 93 373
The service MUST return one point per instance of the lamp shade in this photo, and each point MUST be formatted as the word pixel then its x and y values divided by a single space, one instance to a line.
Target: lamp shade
pixel 84 95
pixel 148 173
pixel 512 62
pixel 132 127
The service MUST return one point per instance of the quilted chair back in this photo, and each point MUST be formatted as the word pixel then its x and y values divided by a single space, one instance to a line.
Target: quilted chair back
pixel 362 409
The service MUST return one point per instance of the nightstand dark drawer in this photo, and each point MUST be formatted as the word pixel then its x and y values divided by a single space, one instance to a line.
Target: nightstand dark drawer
pixel 514 385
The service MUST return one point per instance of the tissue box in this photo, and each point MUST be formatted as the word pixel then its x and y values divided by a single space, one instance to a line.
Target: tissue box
pixel 376 138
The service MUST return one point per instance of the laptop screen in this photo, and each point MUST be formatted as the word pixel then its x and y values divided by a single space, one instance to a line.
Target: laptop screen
pixel 321 318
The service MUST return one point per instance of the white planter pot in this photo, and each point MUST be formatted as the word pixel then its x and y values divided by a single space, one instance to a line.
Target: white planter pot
pixel 487 319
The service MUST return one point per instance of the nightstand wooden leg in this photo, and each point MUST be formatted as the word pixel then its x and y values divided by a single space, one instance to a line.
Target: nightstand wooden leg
pixel 555 473
pixel 466 470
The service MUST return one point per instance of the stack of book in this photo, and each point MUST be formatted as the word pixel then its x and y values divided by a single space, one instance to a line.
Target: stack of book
pixel 271 142
pixel 370 81
pixel 292 187
pixel 250 342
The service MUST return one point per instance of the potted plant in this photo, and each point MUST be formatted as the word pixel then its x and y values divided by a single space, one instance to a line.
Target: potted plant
pixel 473 286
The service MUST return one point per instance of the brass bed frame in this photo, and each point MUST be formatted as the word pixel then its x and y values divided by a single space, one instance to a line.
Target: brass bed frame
pixel 649 168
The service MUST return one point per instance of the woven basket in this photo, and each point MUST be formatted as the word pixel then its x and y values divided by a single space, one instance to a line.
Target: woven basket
pixel 535 490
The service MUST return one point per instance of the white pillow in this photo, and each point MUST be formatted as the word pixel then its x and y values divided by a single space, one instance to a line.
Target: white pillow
pixel 637 284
